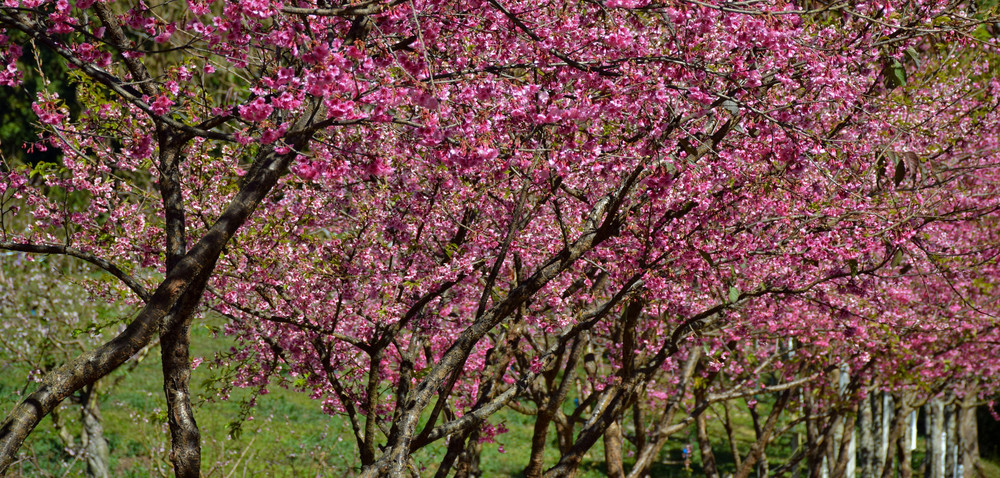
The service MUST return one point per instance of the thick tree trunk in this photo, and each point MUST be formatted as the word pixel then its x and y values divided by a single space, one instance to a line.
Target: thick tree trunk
pixel 903 445
pixel 613 451
pixel 185 440
pixel 968 433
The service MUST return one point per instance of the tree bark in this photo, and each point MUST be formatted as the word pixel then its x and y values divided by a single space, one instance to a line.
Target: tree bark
pixel 613 451
pixel 95 446
pixel 896 432
pixel 935 440
pixel 903 444
pixel 709 468
pixel 950 440
pixel 846 452
pixel 866 439
pixel 968 433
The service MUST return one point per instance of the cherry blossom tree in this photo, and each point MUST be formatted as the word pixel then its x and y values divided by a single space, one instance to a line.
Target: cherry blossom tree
pixel 422 212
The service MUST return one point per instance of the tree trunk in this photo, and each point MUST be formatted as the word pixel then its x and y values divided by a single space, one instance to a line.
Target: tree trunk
pixel 968 433
pixel 883 427
pixel 903 445
pixel 866 441
pixel 613 451
pixel 845 456
pixel 897 430
pixel 935 440
pixel 536 465
pixel 950 441
pixel 95 447
pixel 665 426
pixel 197 264
pixel 710 470
pixel 756 454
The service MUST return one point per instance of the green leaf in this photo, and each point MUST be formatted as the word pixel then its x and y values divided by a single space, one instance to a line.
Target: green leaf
pixel 895 74
pixel 734 294
pixel 853 265
pixel 897 258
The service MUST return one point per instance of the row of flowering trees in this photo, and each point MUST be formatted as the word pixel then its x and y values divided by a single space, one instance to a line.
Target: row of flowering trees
pixel 424 212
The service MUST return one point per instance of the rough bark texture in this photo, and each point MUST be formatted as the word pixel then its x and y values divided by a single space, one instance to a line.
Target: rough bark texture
pixel 175 342
pixel 185 439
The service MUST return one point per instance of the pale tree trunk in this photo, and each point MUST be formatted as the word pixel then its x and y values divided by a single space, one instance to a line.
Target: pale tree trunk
pixel 845 456
pixel 903 450
pixel 950 440
pixel 613 450
pixel 884 415
pixel 896 431
pixel 935 439
pixel 95 446
pixel 968 433
pixel 866 441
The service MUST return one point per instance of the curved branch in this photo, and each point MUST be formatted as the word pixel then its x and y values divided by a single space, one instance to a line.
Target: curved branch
pixel 131 281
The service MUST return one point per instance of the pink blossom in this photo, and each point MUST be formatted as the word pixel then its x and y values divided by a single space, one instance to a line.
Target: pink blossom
pixel 255 111
pixel 161 105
